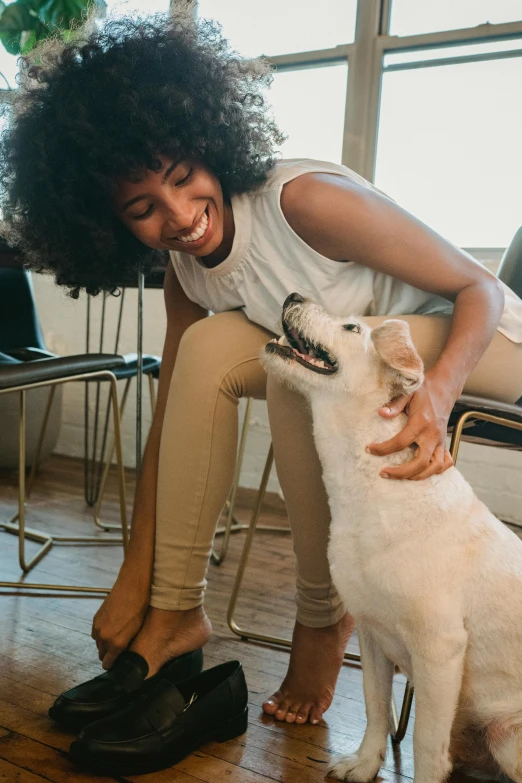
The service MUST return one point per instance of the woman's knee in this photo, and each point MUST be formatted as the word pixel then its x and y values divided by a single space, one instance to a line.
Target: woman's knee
pixel 223 350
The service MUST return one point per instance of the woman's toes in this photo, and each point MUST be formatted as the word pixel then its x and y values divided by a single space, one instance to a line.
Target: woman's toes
pixel 316 715
pixel 290 716
pixel 281 711
pixel 303 713
pixel 271 705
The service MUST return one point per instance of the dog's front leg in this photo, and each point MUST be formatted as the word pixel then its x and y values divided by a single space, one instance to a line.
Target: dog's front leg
pixel 364 765
pixel 437 677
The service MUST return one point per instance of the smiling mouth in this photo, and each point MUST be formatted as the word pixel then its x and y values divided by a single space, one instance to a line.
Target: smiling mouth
pixel 295 347
pixel 195 237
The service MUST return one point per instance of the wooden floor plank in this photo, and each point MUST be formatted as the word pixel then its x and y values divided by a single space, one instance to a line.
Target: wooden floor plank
pixel 43 760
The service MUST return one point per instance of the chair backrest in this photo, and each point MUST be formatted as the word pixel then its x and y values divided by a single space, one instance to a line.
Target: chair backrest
pixel 510 269
pixel 19 324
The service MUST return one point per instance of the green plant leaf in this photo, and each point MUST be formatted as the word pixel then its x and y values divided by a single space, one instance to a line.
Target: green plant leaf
pixel 26 22
pixel 15 20
pixel 17 17
pixel 29 39
pixel 60 13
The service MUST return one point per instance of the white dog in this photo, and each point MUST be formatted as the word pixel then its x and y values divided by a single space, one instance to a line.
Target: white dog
pixel 432 578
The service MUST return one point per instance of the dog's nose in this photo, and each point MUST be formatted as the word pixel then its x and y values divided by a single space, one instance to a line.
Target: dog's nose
pixel 293 299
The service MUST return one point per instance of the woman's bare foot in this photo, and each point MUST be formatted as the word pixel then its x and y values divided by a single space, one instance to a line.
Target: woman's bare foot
pixel 315 660
pixel 165 635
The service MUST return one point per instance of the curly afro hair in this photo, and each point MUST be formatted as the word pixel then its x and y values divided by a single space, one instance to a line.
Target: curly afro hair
pixel 106 106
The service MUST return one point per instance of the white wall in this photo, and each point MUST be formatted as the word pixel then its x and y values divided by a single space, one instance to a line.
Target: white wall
pixel 494 473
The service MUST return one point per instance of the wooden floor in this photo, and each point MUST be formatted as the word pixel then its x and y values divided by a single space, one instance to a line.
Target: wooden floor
pixel 45 648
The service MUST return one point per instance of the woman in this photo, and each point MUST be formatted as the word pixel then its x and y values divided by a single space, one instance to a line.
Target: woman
pixel 153 136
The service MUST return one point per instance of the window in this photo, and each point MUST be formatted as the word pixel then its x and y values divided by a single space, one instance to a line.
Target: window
pixel 8 69
pixel 449 142
pixel 309 108
pixel 279 26
pixel 412 17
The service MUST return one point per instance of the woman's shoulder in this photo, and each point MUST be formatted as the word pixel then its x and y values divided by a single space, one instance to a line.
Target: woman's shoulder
pixel 288 169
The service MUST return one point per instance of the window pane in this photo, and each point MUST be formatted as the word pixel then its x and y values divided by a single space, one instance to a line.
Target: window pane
pixel 412 17
pixel 309 108
pixel 8 68
pixel 280 26
pixel 449 148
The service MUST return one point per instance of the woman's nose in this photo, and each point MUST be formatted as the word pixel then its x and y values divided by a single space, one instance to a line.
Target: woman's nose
pixel 180 218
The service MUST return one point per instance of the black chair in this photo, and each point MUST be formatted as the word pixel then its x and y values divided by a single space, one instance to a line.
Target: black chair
pixel 21 338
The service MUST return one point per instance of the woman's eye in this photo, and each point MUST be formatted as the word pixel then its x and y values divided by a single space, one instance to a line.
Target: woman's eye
pixel 185 178
pixel 144 214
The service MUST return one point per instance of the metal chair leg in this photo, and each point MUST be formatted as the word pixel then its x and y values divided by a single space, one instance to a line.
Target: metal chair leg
pixel 107 467
pixel 101 491
pixel 48 540
pixel 232 525
pixel 231 522
pixel 41 438
pixel 399 725
pixel 152 394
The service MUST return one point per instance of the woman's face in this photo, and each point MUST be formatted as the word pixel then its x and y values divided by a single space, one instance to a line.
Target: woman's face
pixel 178 208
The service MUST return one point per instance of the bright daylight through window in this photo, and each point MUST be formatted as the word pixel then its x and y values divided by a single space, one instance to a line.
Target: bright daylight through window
pixel 447 120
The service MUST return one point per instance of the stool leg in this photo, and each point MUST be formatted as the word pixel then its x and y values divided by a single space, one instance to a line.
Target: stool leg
pixel 107 468
pixel 22 534
pixel 119 459
pixel 231 522
pixel 43 430
pixel 152 394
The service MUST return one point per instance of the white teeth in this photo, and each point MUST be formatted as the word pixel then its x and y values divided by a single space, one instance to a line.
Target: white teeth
pixel 198 233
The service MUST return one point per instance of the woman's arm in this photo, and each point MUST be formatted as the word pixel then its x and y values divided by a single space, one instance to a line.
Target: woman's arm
pixel 121 614
pixel 344 220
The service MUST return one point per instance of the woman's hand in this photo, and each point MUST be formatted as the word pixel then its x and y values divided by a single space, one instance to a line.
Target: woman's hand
pixel 428 410
pixel 120 617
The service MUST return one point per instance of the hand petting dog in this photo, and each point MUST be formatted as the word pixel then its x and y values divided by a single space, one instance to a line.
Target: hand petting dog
pixel 428 410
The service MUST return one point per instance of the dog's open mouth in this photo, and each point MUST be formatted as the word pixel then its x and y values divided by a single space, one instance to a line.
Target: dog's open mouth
pixel 295 346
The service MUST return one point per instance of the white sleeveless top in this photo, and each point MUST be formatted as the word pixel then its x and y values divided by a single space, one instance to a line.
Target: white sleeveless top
pixel 268 261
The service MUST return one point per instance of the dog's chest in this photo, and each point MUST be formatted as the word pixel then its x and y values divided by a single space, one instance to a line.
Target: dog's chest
pixel 366 597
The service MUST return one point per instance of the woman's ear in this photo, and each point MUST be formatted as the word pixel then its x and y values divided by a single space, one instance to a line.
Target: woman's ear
pixel 393 343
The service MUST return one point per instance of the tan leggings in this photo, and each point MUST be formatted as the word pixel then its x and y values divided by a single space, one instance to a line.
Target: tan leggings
pixel 217 364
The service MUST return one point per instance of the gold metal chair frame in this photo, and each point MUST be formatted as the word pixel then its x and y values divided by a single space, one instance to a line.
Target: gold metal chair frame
pixel 48 540
pixel 399 722
pixel 232 524
pixel 97 508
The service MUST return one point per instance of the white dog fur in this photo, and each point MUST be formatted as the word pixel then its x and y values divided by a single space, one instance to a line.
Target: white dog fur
pixel 432 578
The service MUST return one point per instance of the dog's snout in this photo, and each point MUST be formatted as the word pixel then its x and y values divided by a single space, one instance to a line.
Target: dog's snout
pixel 293 299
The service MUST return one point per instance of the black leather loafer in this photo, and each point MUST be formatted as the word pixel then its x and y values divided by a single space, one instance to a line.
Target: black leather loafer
pixel 163 725
pixel 109 692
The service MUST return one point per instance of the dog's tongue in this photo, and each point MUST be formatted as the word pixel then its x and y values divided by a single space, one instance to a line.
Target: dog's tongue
pixel 297 338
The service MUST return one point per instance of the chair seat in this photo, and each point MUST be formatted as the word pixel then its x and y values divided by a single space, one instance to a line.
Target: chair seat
pixel 484 432
pixel 30 354
pixel 41 370
pixel 151 365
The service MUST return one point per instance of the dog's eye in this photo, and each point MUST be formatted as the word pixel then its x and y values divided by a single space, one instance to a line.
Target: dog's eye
pixel 352 328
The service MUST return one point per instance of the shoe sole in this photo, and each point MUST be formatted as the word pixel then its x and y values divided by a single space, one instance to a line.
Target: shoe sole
pixel 234 728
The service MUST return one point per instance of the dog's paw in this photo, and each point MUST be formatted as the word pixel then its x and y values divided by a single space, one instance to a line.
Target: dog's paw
pixel 354 768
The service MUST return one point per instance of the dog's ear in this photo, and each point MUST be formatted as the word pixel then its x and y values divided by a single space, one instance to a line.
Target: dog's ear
pixel 393 343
